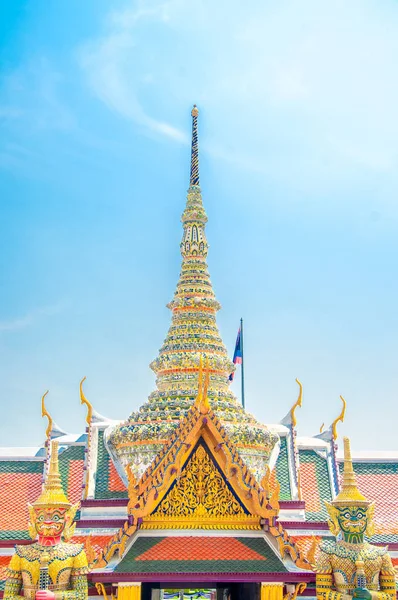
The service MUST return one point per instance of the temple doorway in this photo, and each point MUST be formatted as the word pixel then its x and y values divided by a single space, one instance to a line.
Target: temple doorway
pixel 216 591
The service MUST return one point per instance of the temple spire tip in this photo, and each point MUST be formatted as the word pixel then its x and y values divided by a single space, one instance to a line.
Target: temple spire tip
pixel 194 177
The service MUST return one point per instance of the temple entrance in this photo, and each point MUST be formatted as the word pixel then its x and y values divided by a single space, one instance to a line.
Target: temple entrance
pixel 219 591
pixel 191 594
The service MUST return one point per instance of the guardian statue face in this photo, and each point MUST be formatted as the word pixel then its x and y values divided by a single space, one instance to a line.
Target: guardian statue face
pixel 353 519
pixel 49 521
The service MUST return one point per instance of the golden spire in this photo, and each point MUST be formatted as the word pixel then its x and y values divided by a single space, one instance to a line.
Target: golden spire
pixel 53 493
pixel 298 402
pixel 339 418
pixel 45 413
pixel 202 400
pixel 349 494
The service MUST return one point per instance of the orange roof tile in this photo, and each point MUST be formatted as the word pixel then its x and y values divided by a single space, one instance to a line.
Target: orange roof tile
pixel 200 548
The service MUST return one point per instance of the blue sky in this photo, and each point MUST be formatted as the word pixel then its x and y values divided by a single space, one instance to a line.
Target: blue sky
pixel 299 156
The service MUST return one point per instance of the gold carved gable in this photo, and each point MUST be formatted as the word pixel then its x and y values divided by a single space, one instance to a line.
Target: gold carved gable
pixel 201 491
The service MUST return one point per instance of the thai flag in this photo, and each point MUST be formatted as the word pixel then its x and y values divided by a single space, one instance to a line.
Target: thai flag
pixel 238 355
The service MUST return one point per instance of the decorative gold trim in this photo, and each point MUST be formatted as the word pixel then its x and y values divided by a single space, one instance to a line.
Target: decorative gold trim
pixel 298 589
pixel 311 554
pixel 247 522
pixel 102 592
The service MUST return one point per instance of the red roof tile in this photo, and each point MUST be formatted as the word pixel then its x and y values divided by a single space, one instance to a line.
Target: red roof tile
pixel 200 548
pixel 16 490
pixel 115 483
pixel 309 487
pixel 382 488
pixel 75 480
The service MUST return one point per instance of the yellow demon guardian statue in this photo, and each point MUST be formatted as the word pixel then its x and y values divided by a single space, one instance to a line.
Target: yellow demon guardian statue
pixel 349 566
pixel 51 568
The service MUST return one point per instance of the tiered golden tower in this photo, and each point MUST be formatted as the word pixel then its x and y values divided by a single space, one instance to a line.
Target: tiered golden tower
pixel 193 335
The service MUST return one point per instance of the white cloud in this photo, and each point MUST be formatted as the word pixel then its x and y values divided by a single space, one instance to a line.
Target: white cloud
pixel 303 94
pixel 109 64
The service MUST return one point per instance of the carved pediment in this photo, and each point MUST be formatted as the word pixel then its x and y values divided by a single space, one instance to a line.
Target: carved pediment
pixel 200 491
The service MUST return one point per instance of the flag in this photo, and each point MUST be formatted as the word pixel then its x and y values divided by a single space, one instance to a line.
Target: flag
pixel 238 355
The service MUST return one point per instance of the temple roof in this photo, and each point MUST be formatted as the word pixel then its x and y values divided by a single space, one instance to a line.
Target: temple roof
pixel 200 554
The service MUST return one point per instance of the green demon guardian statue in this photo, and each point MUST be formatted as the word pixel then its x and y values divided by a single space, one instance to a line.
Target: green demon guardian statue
pixel 51 568
pixel 349 566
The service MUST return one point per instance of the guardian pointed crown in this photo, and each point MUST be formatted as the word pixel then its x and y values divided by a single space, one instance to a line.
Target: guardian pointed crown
pixel 349 494
pixel 53 493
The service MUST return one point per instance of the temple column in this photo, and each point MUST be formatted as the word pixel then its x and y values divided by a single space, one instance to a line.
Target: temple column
pixel 129 591
pixel 271 591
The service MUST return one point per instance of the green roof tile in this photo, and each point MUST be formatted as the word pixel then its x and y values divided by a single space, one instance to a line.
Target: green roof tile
pixel 102 478
pixel 282 471
pixel 141 558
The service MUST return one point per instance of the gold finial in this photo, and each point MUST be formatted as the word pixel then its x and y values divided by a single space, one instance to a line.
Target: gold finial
pixel 194 111
pixel 311 554
pixel 53 493
pixel 83 400
pixel 45 413
pixel 349 494
pixel 339 418
pixel 321 427
pixel 296 404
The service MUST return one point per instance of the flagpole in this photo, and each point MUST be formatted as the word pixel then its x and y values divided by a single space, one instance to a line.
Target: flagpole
pixel 242 378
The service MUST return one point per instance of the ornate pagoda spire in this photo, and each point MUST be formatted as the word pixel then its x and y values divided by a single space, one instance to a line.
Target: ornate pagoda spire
pixel 193 330
pixel 193 336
